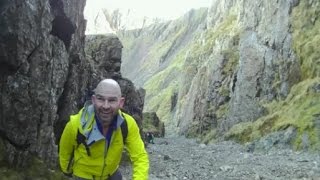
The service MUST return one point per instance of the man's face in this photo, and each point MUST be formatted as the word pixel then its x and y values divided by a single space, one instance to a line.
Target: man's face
pixel 107 106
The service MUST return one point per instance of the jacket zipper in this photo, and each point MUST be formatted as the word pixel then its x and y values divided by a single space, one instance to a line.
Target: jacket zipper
pixel 104 158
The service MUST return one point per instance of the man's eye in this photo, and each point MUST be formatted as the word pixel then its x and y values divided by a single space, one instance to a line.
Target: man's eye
pixel 100 98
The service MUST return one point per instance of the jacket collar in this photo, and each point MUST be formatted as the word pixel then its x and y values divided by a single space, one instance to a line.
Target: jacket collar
pixel 89 126
pixel 96 135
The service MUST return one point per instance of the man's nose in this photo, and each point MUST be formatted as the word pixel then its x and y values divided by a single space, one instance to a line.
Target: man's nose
pixel 106 104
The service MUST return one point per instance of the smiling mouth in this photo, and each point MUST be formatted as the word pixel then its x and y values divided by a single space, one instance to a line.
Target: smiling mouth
pixel 105 113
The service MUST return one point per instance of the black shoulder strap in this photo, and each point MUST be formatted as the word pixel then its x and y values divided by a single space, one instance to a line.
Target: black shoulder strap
pixel 81 139
pixel 124 129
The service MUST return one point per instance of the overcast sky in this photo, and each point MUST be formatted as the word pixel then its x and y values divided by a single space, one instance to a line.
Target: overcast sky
pixel 164 9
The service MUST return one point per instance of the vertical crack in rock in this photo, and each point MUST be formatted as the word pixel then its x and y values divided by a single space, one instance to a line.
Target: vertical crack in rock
pixel 62 27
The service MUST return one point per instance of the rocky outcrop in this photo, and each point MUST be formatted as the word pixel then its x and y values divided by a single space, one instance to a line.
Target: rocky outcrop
pixel 265 68
pixel 152 124
pixel 265 59
pixel 41 50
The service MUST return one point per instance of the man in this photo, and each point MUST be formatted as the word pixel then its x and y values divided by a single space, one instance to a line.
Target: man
pixel 150 137
pixel 92 142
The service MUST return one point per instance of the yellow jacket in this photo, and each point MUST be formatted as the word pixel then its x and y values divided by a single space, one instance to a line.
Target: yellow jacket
pixel 102 161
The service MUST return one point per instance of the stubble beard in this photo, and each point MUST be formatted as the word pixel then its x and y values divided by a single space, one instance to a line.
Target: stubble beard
pixel 106 120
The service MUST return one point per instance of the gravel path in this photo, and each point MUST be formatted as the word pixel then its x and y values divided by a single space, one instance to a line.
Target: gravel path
pixel 184 159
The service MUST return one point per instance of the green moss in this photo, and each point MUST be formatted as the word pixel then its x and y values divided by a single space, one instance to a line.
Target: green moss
pixel 224 91
pixel 185 62
pixel 265 126
pixel 159 50
pixel 193 131
pixel 240 132
pixel 149 127
pixel 232 59
pixel 227 28
pixel 9 174
pixel 161 102
pixel 223 110
pixel 37 170
pixel 161 86
pixel 306 37
pixel 209 137
pixel 179 59
pixel 297 110
pixel 147 124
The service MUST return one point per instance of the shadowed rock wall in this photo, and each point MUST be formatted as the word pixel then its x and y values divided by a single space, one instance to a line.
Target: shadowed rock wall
pixel 41 48
pixel 45 76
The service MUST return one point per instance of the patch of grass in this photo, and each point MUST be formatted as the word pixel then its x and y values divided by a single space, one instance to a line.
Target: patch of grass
pixel 205 44
pixel 223 110
pixel 297 110
pixel 193 131
pixel 161 101
pixel 185 64
pixel 209 137
pixel 149 127
pixel 37 170
pixel 232 59
pixel 147 123
pixel 224 91
pixel 159 49
pixel 240 132
pixel 306 37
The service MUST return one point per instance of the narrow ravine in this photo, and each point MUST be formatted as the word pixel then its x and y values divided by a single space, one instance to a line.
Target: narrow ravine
pixel 185 159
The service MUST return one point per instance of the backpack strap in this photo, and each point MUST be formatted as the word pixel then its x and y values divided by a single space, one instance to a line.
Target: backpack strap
pixel 124 129
pixel 81 139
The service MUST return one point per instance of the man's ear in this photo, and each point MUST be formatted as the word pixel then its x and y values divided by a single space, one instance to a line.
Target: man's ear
pixel 93 98
pixel 121 102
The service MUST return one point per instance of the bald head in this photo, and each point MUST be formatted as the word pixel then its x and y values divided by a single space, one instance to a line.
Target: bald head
pixel 108 86
pixel 107 101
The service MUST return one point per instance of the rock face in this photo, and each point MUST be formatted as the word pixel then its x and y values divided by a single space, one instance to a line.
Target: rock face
pixel 41 50
pixel 265 58
pixel 152 123
pixel 262 59
pixel 45 76
pixel 242 72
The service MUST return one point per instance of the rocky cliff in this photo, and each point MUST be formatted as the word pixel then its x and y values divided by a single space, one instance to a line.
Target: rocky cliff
pixel 45 77
pixel 241 70
pixel 41 50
